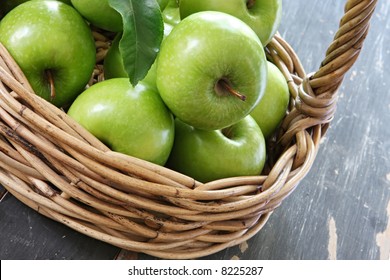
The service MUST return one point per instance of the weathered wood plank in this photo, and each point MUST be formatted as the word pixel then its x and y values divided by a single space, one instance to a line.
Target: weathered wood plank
pixel 3 192
pixel 27 235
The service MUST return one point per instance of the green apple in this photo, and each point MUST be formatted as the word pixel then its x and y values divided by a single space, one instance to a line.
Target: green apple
pixel 8 5
pixel 263 16
pixel 100 14
pixel 237 150
pixel 130 120
pixel 54 47
pixel 114 67
pixel 171 13
pixel 211 70
pixel 163 4
pixel 272 107
pixel 113 62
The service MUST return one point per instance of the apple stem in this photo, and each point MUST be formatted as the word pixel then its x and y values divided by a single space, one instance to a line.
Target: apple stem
pixel 228 132
pixel 51 82
pixel 231 90
pixel 250 3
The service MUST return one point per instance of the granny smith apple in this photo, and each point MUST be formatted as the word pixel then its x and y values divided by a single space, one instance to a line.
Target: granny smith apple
pixel 163 4
pixel 114 66
pixel 113 62
pixel 8 5
pixel 100 14
pixel 263 16
pixel 130 120
pixel 237 150
pixel 54 47
pixel 211 70
pixel 171 13
pixel 272 108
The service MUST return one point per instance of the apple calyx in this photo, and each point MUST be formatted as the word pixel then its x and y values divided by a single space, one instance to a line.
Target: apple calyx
pixel 250 3
pixel 50 79
pixel 223 87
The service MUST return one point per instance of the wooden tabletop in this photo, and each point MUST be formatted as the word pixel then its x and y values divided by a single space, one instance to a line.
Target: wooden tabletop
pixel 341 210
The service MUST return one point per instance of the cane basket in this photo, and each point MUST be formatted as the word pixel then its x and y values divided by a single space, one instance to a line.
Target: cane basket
pixel 53 165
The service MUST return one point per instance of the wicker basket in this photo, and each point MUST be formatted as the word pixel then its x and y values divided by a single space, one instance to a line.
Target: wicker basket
pixel 54 166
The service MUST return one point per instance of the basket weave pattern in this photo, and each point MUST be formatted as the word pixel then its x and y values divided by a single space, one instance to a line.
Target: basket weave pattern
pixel 54 166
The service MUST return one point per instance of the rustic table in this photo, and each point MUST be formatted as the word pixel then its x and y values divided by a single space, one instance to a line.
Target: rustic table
pixel 341 210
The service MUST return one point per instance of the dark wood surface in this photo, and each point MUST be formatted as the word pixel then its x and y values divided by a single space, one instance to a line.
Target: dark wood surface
pixel 341 210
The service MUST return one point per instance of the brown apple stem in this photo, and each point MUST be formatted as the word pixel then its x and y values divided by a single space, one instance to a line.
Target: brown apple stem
pixel 231 90
pixel 250 3
pixel 228 132
pixel 49 76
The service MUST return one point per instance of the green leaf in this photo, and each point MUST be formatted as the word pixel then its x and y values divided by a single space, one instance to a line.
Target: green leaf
pixel 143 30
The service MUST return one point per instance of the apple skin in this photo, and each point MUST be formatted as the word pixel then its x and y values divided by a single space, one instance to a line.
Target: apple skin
pixel 272 108
pixel 114 68
pixel 113 62
pixel 8 5
pixel 100 14
pixel 163 4
pixel 50 37
pixel 211 155
pixel 201 51
pixel 130 120
pixel 171 13
pixel 263 16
